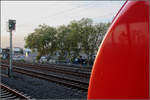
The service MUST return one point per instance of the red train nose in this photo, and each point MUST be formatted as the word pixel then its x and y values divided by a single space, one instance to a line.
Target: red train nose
pixel 121 68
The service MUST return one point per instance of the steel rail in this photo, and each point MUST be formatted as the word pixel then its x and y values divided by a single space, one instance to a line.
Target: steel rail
pixel 57 79
pixel 56 69
pixel 8 93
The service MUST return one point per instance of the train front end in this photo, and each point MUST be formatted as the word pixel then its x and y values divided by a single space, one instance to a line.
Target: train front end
pixel 121 67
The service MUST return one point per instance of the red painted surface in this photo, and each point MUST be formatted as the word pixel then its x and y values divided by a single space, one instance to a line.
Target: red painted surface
pixel 121 68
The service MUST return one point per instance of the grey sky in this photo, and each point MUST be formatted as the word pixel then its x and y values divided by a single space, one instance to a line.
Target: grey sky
pixel 29 14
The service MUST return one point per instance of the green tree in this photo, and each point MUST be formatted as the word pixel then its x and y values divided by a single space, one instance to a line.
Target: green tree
pixel 63 42
pixel 75 38
pixel 43 39
pixel 91 36
pixel 78 37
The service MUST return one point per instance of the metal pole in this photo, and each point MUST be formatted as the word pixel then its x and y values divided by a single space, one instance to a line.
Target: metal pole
pixel 10 59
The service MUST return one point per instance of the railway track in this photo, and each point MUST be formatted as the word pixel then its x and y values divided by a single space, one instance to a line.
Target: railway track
pixel 64 70
pixel 8 93
pixel 57 79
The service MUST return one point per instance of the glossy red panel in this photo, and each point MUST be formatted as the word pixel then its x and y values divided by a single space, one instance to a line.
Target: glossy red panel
pixel 121 68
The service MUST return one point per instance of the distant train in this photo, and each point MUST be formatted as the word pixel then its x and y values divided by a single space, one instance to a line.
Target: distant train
pixel 4 54
pixel 17 53
pixel 121 68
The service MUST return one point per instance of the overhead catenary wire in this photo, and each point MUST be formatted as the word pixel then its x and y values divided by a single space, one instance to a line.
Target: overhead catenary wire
pixel 62 12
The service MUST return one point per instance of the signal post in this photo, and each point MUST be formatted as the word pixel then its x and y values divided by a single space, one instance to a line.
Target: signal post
pixel 11 27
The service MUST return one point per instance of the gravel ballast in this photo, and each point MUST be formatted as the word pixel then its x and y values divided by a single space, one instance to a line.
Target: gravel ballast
pixel 41 89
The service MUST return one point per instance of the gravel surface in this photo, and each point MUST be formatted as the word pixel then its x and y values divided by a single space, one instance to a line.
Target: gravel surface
pixel 41 89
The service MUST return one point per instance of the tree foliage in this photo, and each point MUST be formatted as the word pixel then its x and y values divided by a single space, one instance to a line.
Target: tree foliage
pixel 43 39
pixel 69 40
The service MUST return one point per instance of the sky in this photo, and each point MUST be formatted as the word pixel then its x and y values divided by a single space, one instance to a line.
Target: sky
pixel 30 14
